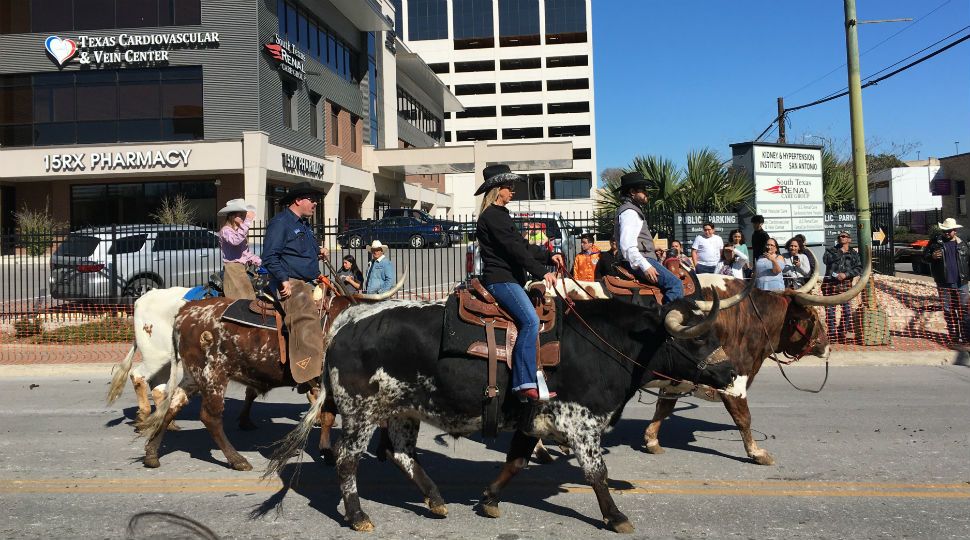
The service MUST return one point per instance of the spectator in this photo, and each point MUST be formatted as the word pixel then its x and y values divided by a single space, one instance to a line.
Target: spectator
pixel 607 262
pixel 706 251
pixel 584 265
pixel 350 275
pixel 732 263
pixel 949 259
pixel 236 255
pixel 767 269
pixel 736 240
pixel 797 268
pixel 380 272
pixel 759 237
pixel 842 263
pixel 676 252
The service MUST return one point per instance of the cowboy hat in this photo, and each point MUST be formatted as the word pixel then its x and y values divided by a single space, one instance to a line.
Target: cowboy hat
pixel 303 190
pixel 949 224
pixel 497 175
pixel 376 244
pixel 631 180
pixel 237 205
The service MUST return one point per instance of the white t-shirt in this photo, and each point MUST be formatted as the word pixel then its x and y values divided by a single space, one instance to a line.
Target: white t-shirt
pixel 708 249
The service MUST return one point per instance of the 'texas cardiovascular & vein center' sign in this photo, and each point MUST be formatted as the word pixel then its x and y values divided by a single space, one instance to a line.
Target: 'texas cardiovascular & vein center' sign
pixel 125 49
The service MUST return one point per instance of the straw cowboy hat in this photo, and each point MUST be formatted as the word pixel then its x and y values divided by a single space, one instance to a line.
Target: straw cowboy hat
pixel 949 224
pixel 376 244
pixel 237 205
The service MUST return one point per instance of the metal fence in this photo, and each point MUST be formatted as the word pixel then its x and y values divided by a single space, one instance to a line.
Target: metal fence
pixel 919 221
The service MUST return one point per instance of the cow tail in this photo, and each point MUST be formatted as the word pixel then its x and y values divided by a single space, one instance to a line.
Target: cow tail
pixel 294 443
pixel 120 374
pixel 155 421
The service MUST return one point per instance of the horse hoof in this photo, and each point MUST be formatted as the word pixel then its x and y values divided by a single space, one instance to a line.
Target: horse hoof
pixel 622 527
pixel 151 462
pixel 172 426
pixel 655 448
pixel 329 457
pixel 763 458
pixel 437 508
pixel 242 466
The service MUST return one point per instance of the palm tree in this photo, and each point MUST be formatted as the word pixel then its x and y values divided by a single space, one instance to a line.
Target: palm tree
pixel 838 181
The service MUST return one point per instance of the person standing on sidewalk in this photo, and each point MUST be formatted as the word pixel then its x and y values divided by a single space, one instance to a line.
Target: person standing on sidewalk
pixel 632 234
pixel 949 259
pixel 584 265
pixel 291 255
pixel 706 250
pixel 234 244
pixel 759 238
pixel 380 271
pixel 842 263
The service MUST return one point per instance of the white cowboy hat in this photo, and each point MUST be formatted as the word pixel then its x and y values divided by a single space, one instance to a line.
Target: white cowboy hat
pixel 376 244
pixel 949 224
pixel 237 205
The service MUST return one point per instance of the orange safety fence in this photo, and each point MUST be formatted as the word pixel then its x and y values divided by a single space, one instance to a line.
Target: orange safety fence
pixel 902 315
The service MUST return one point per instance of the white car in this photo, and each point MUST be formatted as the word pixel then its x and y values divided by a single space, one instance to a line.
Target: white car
pixel 551 228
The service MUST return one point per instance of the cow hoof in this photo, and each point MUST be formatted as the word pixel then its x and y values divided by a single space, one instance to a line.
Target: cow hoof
pixel 151 462
pixel 655 448
pixel 242 466
pixel 437 508
pixel 763 458
pixel 543 456
pixel 172 426
pixel 329 457
pixel 491 510
pixel 361 523
pixel 622 527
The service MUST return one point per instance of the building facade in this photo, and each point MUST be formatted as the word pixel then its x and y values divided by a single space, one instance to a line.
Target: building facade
pixel 523 69
pixel 107 107
pixel 951 185
pixel 907 188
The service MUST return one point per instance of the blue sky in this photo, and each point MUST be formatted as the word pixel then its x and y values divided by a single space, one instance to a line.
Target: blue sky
pixel 672 76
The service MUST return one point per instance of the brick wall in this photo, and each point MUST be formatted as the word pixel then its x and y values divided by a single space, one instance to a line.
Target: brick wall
pixel 956 169
pixel 346 129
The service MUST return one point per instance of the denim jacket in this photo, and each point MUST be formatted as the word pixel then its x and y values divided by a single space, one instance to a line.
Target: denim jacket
pixel 380 276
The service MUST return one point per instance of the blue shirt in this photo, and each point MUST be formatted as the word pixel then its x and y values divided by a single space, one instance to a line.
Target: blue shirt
pixel 765 278
pixel 951 265
pixel 380 276
pixel 290 249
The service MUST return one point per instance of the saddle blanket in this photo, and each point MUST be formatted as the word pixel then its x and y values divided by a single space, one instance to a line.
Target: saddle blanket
pixel 239 313
pixel 457 336
pixel 199 292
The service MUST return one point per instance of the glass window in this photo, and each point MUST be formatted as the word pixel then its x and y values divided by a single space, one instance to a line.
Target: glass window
pixel 533 188
pixel 427 19
pixel 472 19
pixel 99 99
pixel 520 63
pixel 568 131
pixel 353 133
pixel 518 18
pixel 281 16
pixel 128 244
pixel 468 67
pixel 304 31
pixel 571 185
pixel 522 133
pixel 477 112
pixel 442 67
pixel 136 13
pixel 572 107
pixel 521 86
pixel 474 89
pixel 522 110
pixel 187 12
pixel 567 84
pixel 476 135
pixel 565 16
pixel 582 153
pixel 567 61
pixel 14 17
pixel 292 34
pixel 94 14
pixel 288 107
pixel 334 125
pixel 398 19
pixel 51 15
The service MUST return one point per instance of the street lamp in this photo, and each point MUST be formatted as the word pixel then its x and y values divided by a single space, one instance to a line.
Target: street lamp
pixel 957 144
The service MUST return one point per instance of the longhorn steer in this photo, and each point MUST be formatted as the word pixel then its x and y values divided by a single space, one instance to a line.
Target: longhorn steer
pixel 384 364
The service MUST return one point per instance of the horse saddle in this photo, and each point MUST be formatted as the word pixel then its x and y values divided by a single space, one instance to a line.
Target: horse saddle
pixel 626 284
pixel 477 306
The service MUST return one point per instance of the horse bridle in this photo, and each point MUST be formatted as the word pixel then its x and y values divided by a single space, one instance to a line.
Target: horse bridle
pixel 809 344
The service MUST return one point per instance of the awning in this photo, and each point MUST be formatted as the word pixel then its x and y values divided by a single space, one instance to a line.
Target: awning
pixel 417 70
pixel 364 14
pixel 462 159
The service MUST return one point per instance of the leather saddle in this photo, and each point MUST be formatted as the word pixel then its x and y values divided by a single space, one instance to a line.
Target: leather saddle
pixel 627 285
pixel 478 307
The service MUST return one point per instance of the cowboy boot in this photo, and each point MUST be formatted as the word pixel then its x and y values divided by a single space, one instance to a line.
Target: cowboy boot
pixel 306 338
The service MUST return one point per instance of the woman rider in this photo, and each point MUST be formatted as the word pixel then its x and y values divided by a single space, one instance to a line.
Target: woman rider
pixel 506 257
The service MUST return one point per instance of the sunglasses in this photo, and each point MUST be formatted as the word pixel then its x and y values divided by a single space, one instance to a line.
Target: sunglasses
pixel 843 236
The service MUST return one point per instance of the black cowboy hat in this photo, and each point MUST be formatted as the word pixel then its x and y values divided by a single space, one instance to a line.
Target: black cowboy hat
pixel 303 190
pixel 497 175
pixel 631 180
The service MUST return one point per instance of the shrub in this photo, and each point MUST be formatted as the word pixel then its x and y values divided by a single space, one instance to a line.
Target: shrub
pixel 36 228
pixel 107 330
pixel 175 211
pixel 27 326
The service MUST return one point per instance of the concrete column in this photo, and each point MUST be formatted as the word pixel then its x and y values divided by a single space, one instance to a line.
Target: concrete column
pixel 367 205
pixel 331 204
pixel 255 145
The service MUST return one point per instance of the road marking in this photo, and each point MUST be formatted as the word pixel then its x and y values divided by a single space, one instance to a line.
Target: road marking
pixel 734 488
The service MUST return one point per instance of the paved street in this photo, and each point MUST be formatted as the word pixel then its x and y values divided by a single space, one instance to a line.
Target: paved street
pixel 882 452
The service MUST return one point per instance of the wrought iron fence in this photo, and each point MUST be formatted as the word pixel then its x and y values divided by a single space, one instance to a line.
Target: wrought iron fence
pixel 919 221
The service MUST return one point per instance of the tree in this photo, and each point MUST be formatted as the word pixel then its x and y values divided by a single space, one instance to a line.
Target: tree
pixel 882 162
pixel 838 180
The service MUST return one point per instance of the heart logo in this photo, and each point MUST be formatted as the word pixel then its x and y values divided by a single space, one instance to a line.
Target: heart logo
pixel 61 50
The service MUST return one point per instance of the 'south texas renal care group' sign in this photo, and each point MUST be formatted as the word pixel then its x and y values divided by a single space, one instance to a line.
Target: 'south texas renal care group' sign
pixel 788 190
pixel 291 59
pixel 125 49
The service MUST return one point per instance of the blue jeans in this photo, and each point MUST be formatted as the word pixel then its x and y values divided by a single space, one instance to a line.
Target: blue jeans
pixel 704 268
pixel 670 284
pixel 513 299
pixel 831 287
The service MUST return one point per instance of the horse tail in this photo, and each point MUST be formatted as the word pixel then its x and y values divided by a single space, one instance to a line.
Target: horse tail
pixel 120 374
pixel 155 422
pixel 295 441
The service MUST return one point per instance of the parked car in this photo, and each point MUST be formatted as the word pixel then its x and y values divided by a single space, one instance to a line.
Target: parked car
pixel 407 231
pixel 913 253
pixel 138 257
pixel 449 226
pixel 548 228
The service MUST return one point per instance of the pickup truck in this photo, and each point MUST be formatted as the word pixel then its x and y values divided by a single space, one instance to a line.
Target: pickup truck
pixel 407 231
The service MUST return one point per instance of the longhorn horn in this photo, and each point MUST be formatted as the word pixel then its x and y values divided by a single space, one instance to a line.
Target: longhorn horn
pixel 674 321
pixel 386 294
pixel 728 302
pixel 813 279
pixel 806 299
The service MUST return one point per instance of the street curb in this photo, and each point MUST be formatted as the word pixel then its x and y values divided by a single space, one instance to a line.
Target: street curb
pixel 837 359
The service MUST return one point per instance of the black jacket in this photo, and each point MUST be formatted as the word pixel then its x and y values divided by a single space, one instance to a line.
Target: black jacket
pixel 938 266
pixel 837 262
pixel 605 266
pixel 506 255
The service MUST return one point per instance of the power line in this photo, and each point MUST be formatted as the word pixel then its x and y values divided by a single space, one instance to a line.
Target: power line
pixel 907 27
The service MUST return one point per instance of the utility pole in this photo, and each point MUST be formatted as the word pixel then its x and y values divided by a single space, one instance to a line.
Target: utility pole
pixel 781 120
pixel 864 219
